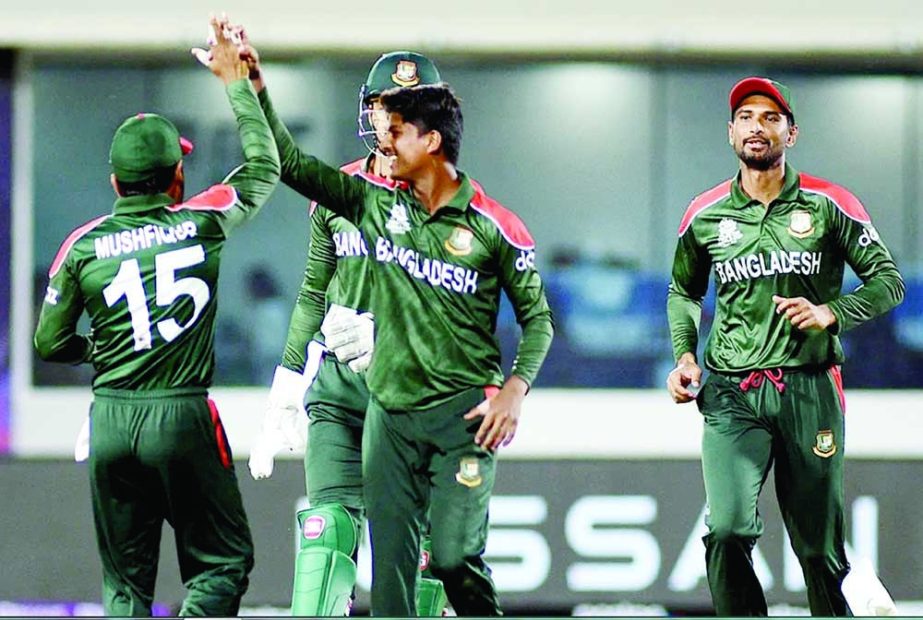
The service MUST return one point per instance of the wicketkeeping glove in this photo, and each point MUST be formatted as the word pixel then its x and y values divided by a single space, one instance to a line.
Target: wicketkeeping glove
pixel 82 447
pixel 284 422
pixel 350 336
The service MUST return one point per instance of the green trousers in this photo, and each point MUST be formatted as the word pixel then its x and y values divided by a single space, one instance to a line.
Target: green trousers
pixel 158 456
pixel 791 422
pixel 419 463
pixel 336 401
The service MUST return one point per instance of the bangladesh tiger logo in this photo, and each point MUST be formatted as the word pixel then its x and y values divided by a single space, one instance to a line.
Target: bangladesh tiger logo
pixel 824 445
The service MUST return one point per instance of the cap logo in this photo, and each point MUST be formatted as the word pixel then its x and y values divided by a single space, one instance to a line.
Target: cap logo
pixel 406 74
pixel 313 527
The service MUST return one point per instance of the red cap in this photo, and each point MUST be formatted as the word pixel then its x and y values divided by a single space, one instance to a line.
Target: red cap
pixel 761 86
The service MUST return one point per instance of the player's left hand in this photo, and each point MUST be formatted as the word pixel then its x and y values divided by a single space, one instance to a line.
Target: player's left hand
pixel 501 415
pixel 803 314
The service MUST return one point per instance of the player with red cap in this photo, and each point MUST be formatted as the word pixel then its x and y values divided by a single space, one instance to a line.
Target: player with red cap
pixel 777 241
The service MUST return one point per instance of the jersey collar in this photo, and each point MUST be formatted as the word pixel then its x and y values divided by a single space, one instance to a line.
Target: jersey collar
pixel 739 197
pixel 140 204
pixel 463 196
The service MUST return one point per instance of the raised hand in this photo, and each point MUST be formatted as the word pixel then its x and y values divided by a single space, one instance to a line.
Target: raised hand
pixel 223 55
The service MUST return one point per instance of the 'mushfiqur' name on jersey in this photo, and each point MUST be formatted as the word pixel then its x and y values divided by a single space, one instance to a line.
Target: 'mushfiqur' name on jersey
pixel 768 264
pixel 142 238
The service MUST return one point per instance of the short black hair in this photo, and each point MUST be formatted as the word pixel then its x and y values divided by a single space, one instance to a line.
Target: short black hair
pixel 430 107
pixel 157 183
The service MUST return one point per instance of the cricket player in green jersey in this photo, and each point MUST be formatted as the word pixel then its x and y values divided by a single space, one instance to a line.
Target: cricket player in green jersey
pixel 337 276
pixel 777 241
pixel 146 274
pixel 443 251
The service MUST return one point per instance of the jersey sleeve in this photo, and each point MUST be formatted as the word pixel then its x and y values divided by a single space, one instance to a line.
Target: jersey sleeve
pixel 882 285
pixel 341 193
pixel 523 285
pixel 56 338
pixel 251 183
pixel 310 305
pixel 688 285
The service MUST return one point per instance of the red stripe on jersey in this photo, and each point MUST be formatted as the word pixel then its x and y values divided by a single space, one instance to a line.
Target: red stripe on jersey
pixel 512 228
pixel 844 199
pixel 374 179
pixel 223 452
pixel 357 169
pixel 354 167
pixel 69 243
pixel 702 202
pixel 838 382
pixel 215 198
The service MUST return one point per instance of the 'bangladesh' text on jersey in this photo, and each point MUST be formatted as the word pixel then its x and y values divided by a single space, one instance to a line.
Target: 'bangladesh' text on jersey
pixel 797 247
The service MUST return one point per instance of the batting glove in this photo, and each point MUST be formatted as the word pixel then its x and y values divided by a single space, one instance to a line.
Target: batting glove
pixel 349 335
pixel 82 447
pixel 284 422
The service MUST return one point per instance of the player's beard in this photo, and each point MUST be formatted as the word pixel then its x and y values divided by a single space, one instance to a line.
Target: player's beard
pixel 764 161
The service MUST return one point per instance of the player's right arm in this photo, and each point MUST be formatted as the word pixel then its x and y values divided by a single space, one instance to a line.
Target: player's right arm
pixel 255 179
pixel 304 173
pixel 688 285
pixel 56 338
pixel 310 304
pixel 247 187
pixel 341 193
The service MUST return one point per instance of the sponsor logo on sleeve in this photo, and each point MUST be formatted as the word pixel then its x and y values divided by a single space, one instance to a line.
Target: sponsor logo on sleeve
pixel 800 225
pixel 525 260
pixel 824 445
pixel 728 233
pixel 868 237
pixel 51 296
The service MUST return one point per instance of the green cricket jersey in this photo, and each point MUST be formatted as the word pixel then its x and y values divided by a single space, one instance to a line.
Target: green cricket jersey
pixel 338 272
pixel 797 247
pixel 438 280
pixel 147 273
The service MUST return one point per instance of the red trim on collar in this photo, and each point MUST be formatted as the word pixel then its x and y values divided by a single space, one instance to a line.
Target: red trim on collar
pixel 702 202
pixel 357 169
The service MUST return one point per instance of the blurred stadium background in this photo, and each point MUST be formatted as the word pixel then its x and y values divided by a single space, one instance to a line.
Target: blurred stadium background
pixel 597 121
